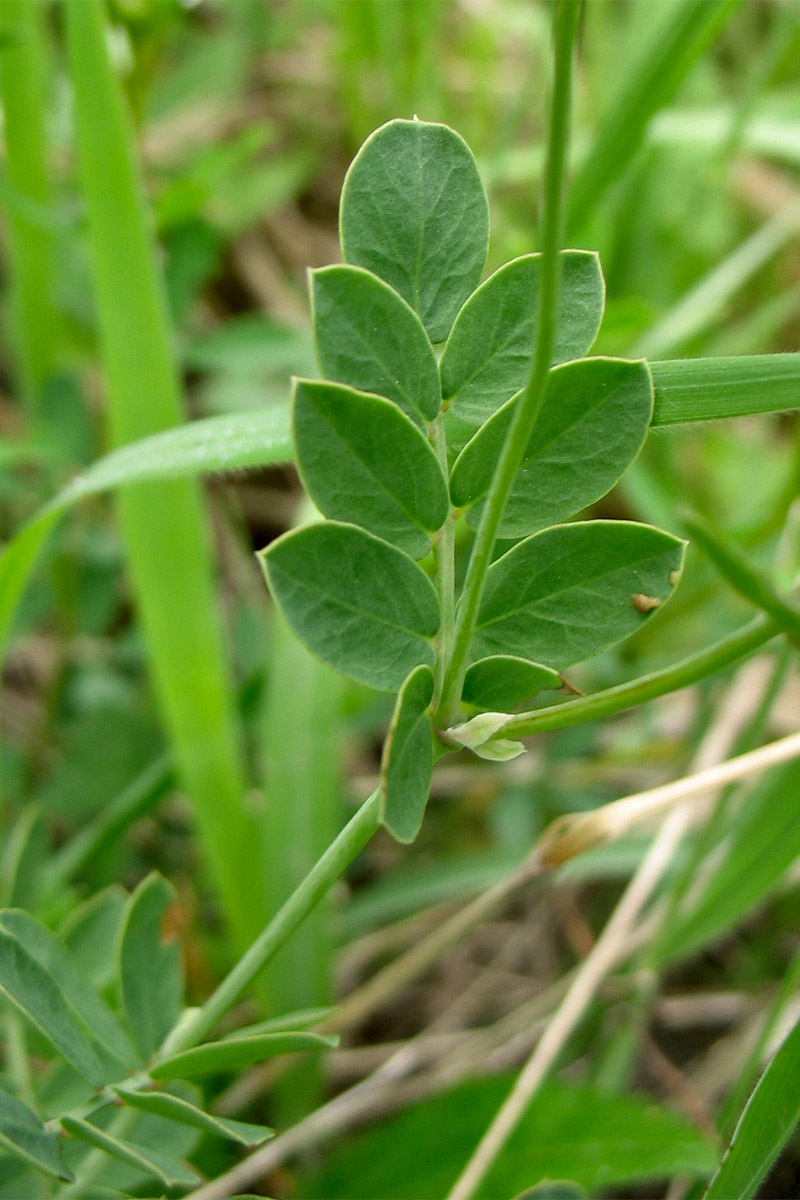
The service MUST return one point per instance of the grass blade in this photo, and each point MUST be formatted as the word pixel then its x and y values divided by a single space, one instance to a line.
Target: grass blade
pixel 708 389
pixel 163 526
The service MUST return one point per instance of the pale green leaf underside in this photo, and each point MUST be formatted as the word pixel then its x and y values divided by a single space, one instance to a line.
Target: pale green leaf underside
pixel 367 336
pixel 151 980
pixel 407 762
pixel 33 990
pixel 414 212
pixel 361 605
pixel 363 460
pixel 173 1108
pixel 572 591
pixel 764 1127
pixel 488 354
pixel 150 1162
pixel 592 425
pixel 24 1137
pixel 234 1053
pixel 502 682
pixel 89 1006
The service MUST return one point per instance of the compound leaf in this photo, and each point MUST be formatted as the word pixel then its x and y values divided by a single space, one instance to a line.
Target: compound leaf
pixel 151 979
pixel 174 1108
pixel 592 425
pixel 571 591
pixel 86 1001
pixel 151 1162
pixel 24 1137
pixel 407 762
pixel 32 989
pixel 368 337
pixel 362 460
pixel 488 354
pixel 358 603
pixel 233 1053
pixel 502 682
pixel 414 212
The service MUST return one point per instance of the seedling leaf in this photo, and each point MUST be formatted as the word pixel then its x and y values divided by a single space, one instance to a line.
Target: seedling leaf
pixel 414 212
pixel 360 604
pixel 408 758
pixel 363 460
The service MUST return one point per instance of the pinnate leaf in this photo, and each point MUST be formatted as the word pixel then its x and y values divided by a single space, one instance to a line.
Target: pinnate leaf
pixel 24 1137
pixel 175 1108
pixel 235 1052
pixel 362 460
pixel 488 354
pixel 414 212
pixel 407 763
pixel 503 681
pixel 593 423
pixel 572 591
pixel 151 979
pixel 368 337
pixel 32 989
pixel 361 605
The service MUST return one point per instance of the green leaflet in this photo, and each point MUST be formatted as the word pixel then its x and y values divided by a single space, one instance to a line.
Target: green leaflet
pixel 368 337
pixel 24 1137
pixel 174 1108
pixel 150 1162
pixel 360 604
pixel 54 958
pixel 593 424
pixel 502 682
pixel 363 460
pixel 233 1052
pixel 414 212
pixel 32 989
pixel 571 591
pixel 151 979
pixel 407 762
pixel 772 1112
pixel 488 354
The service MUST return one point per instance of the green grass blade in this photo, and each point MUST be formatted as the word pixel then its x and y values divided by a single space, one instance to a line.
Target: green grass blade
pixel 23 73
pixel 649 83
pixel 163 526
pixel 765 1126
pixel 708 389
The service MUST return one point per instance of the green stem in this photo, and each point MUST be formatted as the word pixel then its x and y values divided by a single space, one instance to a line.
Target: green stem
pixel 689 670
pixel 444 566
pixel 530 403
pixel 319 880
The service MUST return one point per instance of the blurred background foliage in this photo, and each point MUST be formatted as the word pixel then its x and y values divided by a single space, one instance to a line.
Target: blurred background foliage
pixel 246 114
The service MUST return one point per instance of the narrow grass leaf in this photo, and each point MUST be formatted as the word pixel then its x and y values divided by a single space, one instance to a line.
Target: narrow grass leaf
pixel 173 1108
pixel 363 460
pixel 569 592
pixel 488 353
pixel 764 1127
pixel 750 583
pixel 87 1003
pixel 407 762
pixel 593 423
pixel 151 980
pixel 32 989
pixel 24 1137
pixel 707 389
pixel 502 682
pixel 368 337
pixel 234 1053
pixel 152 1163
pixel 360 604
pixel 414 212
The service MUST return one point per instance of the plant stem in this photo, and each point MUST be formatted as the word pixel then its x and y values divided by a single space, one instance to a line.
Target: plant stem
pixel 530 403
pixel 319 880
pixel 444 567
pixel 689 670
